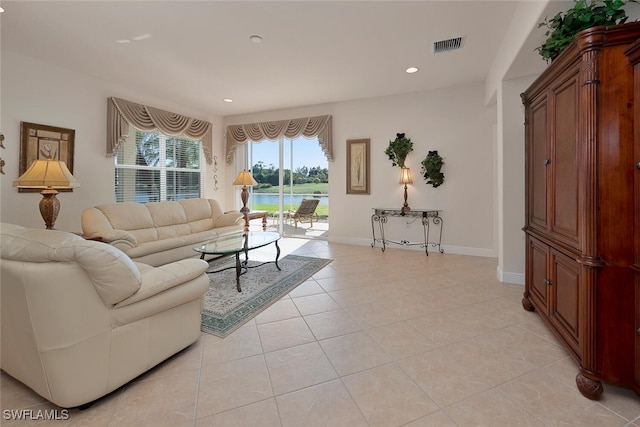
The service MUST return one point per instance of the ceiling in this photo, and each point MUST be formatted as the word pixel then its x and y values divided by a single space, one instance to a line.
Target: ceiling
pixel 199 52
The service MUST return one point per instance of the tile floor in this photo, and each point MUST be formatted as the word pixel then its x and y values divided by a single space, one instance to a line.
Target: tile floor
pixel 374 339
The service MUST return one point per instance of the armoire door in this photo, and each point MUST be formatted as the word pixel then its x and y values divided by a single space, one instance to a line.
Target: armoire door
pixel 537 272
pixel 564 304
pixel 564 189
pixel 538 158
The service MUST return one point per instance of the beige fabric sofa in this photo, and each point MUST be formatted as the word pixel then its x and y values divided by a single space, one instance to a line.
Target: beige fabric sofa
pixel 160 232
pixel 80 319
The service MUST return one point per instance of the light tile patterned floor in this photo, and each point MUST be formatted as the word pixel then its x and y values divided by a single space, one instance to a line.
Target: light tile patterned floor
pixel 374 339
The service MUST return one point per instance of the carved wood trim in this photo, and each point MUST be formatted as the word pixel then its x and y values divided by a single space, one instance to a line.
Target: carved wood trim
pixel 591 389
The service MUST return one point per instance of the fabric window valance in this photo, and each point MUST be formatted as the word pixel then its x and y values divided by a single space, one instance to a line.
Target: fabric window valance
pixel 309 127
pixel 121 114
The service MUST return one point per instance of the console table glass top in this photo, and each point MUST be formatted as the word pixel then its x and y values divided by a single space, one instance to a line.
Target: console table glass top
pixel 428 216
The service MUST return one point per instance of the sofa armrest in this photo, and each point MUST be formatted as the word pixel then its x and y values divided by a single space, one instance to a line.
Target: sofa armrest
pixel 229 218
pixel 158 279
pixel 114 237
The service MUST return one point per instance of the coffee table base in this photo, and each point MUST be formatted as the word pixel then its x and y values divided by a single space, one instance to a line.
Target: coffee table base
pixel 242 267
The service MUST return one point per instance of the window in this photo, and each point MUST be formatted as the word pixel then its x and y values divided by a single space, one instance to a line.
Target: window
pixel 158 167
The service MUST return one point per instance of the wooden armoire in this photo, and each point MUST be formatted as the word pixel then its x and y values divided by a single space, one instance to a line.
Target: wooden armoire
pixel 582 127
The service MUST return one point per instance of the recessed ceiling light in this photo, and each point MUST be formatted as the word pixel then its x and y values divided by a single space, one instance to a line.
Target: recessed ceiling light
pixel 141 37
pixel 412 70
pixel 1 9
pixel 255 39
pixel 134 39
pixel 228 100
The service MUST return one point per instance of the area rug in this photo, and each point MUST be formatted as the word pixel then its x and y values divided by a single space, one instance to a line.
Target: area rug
pixel 226 309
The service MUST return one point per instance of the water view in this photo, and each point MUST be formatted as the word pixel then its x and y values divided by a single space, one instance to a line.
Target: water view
pixel 296 199
pixel 304 173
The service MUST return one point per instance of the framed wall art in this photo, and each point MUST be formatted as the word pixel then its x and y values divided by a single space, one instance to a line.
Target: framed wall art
pixel 358 163
pixel 39 142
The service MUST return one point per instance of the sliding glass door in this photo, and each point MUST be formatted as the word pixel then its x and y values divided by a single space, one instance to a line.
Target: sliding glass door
pixel 288 171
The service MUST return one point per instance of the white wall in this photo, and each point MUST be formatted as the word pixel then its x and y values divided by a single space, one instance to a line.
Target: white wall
pixel 511 180
pixel 37 92
pixel 520 29
pixel 453 121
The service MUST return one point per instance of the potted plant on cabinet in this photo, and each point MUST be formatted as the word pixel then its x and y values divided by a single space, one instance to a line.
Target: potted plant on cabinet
pixel 584 14
pixel 399 149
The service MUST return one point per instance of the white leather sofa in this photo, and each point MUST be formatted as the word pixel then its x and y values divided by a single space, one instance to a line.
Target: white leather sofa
pixel 160 232
pixel 80 319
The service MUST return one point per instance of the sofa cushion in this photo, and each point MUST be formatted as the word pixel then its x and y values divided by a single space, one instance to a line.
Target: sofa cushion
pixel 201 225
pixel 127 216
pixel 133 217
pixel 198 213
pixel 196 209
pixel 156 246
pixel 196 239
pixel 169 219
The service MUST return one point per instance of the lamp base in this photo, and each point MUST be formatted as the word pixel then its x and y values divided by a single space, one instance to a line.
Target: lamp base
pixel 244 195
pixel 49 207
pixel 405 207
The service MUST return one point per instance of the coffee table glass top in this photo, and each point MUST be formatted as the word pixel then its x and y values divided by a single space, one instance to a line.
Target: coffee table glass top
pixel 235 243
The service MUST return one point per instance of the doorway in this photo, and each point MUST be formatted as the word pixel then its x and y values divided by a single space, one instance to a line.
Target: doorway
pixel 288 171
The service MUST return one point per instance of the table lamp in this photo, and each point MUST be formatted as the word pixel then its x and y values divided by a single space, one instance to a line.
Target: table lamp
pixel 244 178
pixel 405 178
pixel 47 174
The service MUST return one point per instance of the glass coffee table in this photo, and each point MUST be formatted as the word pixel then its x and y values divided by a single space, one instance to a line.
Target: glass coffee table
pixel 235 244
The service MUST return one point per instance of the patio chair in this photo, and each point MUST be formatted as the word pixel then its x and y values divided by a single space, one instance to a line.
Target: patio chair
pixel 305 212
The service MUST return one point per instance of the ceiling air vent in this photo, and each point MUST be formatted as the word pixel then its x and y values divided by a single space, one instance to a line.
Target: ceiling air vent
pixel 447 45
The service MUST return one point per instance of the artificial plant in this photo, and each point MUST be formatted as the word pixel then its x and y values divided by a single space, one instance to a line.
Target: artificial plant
pixel 398 150
pixel 431 169
pixel 584 14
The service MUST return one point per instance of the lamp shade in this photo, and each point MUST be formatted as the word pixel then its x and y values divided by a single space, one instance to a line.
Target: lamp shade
pixel 405 176
pixel 245 178
pixel 47 174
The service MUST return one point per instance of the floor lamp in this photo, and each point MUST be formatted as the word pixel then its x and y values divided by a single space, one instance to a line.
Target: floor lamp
pixel 405 178
pixel 48 175
pixel 244 178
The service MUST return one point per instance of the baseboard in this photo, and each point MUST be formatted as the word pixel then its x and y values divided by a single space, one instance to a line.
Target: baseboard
pixel 507 277
pixel 458 250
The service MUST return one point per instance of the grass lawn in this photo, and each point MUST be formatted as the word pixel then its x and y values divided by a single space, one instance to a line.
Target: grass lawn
pixel 322 188
pixel 322 211
pixel 309 188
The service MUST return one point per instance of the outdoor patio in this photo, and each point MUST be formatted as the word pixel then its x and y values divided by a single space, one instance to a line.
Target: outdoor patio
pixel 319 229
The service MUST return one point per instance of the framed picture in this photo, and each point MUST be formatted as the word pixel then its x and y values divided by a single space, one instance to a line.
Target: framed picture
pixel 358 166
pixel 39 142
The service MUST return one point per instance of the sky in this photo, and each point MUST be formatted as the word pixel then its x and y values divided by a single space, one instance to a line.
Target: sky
pixel 306 152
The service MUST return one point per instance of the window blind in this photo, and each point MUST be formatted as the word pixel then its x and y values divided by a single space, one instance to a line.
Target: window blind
pixel 158 167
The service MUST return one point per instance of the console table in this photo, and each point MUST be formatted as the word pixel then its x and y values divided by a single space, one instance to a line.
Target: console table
pixel 248 216
pixel 427 216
